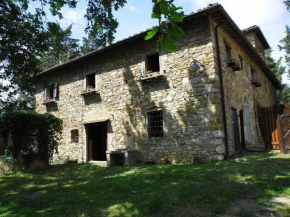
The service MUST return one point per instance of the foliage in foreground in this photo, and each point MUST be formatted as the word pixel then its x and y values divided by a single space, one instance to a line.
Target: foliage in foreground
pixel 27 37
pixel 283 95
pixel 246 186
pixel 33 136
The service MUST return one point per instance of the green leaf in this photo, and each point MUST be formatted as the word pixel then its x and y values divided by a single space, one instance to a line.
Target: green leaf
pixel 170 44
pixel 151 33
pixel 59 5
pixel 177 18
pixel 155 16
pixel 164 8
pixel 164 28
pixel 176 31
pixel 159 43
pixel 156 13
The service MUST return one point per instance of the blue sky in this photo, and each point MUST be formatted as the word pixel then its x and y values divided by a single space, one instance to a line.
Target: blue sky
pixel 270 15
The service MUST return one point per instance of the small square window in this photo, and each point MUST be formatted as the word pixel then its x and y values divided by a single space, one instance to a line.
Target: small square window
pixel 152 63
pixel 228 52
pixel 91 81
pixel 50 92
pixel 253 73
pixel 75 136
pixel 155 123
pixel 241 62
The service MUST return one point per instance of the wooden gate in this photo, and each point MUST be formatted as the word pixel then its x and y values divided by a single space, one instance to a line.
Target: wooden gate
pixel 276 124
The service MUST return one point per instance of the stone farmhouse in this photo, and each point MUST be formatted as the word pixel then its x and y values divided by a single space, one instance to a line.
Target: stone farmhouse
pixel 126 103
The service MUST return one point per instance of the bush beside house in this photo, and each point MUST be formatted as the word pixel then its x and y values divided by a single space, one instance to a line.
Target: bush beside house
pixel 30 139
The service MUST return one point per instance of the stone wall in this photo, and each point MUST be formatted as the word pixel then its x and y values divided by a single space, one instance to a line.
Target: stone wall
pixel 255 41
pixel 190 100
pixel 237 85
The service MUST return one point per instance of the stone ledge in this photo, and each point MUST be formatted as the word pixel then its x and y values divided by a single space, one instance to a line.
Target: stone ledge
pixel 122 157
pixel 89 92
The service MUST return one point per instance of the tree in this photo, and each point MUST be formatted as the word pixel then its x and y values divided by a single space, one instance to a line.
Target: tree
pixel 285 42
pixel 285 45
pixel 21 103
pixel 61 47
pixel 279 70
pixel 23 34
pixel 287 3
pixel 89 44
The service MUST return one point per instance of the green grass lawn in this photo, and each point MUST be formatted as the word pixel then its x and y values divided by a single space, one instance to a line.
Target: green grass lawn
pixel 252 185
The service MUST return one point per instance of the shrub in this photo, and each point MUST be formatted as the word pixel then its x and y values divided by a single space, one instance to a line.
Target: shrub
pixel 29 136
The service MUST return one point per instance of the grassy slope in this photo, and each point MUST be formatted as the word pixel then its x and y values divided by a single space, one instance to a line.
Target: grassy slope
pixel 158 190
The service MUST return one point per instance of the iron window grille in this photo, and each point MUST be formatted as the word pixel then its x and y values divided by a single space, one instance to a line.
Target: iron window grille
pixel 155 123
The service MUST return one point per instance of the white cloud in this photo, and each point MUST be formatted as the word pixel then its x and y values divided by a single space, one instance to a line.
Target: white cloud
pixel 75 17
pixel 132 8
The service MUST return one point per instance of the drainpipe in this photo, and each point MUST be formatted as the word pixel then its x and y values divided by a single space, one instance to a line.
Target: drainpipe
pixel 82 118
pixel 222 90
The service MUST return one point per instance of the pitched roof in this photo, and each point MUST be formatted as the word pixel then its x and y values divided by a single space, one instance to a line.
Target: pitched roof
pixel 221 17
pixel 141 34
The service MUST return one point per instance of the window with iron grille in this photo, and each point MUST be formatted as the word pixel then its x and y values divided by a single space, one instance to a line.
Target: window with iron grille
pixel 155 123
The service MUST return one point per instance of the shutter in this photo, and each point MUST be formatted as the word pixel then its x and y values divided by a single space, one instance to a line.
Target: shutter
pixel 96 81
pixel 248 123
pixel 55 91
pixel 44 93
pixel 85 83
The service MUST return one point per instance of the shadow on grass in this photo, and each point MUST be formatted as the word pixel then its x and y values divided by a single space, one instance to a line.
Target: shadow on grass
pixel 169 190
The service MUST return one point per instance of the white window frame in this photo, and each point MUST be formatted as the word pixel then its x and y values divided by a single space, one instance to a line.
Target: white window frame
pixel 85 87
pixel 242 62
pixel 55 91
pixel 144 60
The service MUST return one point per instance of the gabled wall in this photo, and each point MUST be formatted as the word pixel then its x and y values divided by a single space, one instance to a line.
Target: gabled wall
pixel 238 84
pixel 255 41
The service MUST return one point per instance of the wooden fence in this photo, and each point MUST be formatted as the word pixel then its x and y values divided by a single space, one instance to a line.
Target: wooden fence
pixel 276 124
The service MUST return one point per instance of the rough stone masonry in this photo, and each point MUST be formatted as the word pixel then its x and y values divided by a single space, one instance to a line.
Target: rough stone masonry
pixel 190 100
